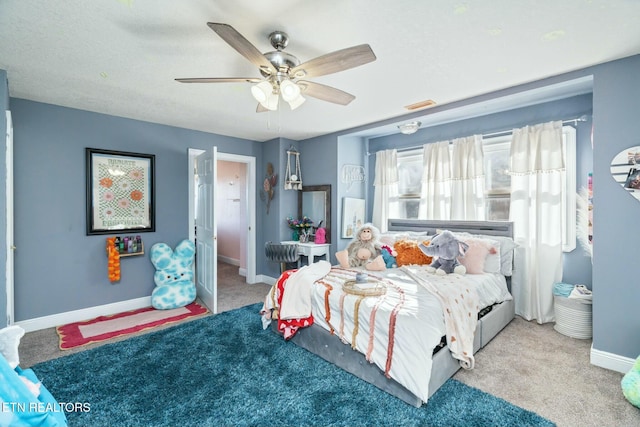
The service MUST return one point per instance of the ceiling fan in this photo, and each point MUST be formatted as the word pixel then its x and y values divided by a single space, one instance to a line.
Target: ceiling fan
pixel 283 73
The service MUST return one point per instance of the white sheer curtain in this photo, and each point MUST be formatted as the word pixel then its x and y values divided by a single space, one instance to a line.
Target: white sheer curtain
pixel 435 201
pixel 537 173
pixel 467 186
pixel 385 196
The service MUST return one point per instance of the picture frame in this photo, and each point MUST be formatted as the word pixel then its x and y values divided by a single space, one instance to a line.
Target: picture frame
pixel 633 179
pixel 353 211
pixel 120 192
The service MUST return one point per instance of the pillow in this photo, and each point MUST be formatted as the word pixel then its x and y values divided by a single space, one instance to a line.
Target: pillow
pixel 410 254
pixel 492 260
pixel 475 257
pixel 507 245
pixel 390 237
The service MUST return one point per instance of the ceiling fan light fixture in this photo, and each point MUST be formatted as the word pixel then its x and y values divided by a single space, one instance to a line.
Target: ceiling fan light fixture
pixel 262 91
pixel 272 102
pixel 296 102
pixel 289 90
pixel 409 127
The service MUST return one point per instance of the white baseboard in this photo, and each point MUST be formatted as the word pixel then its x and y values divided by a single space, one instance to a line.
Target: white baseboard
pixel 261 278
pixel 611 361
pixel 228 260
pixel 58 319
pixel 242 272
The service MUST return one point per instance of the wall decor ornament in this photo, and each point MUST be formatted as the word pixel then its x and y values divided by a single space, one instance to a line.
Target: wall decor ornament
pixel 120 191
pixel 268 186
pixel 625 169
pixel 293 177
pixel 352 174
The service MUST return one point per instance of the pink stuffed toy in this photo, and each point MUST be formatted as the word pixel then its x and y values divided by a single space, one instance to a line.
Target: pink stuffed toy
pixel 320 236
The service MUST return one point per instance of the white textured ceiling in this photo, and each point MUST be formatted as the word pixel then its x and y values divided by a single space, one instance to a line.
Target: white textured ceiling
pixel 120 57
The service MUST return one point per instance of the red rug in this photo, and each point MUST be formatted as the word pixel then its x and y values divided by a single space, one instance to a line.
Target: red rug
pixel 106 327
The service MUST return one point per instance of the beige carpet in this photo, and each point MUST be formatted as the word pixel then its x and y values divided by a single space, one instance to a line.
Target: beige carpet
pixel 527 364
pixel 539 369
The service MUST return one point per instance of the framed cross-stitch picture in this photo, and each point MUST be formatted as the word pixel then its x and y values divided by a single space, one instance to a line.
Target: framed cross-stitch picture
pixel 120 192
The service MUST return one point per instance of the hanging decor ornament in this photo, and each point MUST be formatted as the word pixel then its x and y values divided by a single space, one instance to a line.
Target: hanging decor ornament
pixel 268 186
pixel 293 179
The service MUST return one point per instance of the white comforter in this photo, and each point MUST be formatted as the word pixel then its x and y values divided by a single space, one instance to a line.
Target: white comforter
pixel 408 320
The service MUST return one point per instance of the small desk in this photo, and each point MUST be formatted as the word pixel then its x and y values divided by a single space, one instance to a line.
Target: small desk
pixel 310 250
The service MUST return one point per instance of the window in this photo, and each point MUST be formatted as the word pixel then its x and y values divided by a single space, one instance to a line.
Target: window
pixel 409 182
pixel 497 181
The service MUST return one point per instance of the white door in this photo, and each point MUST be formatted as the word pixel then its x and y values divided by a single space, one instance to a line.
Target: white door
pixel 9 201
pixel 206 230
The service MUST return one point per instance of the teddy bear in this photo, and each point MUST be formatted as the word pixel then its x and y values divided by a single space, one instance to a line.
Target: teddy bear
pixel 174 276
pixel 364 250
pixel 447 248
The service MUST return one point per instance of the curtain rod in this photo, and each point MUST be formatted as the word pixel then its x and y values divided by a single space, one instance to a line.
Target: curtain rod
pixel 575 121
pixel 582 118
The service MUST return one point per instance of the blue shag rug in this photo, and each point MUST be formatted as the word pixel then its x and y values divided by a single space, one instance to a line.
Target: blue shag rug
pixel 225 370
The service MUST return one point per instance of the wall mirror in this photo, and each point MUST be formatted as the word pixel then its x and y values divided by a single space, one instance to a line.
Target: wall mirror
pixel 314 201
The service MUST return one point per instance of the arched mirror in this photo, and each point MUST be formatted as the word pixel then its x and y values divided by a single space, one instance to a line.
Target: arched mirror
pixel 314 201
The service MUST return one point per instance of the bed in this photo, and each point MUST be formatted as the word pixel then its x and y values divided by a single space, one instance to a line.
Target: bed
pixel 408 352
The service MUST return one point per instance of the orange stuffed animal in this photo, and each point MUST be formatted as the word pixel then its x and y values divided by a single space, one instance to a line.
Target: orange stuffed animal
pixel 410 254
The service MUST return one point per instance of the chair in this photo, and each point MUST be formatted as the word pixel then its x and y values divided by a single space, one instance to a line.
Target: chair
pixel 282 253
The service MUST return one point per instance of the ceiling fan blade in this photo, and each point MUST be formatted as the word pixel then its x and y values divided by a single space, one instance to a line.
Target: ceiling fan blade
pixel 336 61
pixel 325 93
pixel 243 46
pixel 261 109
pixel 221 80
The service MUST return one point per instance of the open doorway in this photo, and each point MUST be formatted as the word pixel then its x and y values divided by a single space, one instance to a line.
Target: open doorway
pixel 235 213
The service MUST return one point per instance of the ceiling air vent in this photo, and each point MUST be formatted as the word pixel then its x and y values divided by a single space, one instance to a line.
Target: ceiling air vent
pixel 421 104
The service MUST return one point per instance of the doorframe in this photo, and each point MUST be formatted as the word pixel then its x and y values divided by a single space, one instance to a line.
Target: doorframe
pixel 250 194
pixel 9 287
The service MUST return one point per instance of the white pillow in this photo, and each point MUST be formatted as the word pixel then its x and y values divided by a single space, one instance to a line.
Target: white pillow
pixel 507 245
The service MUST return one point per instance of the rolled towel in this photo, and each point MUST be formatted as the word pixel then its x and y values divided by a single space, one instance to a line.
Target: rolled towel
pixel 562 289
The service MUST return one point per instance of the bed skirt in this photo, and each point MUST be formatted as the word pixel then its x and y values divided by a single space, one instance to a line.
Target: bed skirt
pixel 319 341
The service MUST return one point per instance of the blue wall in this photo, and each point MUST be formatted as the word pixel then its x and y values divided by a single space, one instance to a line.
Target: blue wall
pixel 616 105
pixel 284 203
pixel 57 267
pixel 319 164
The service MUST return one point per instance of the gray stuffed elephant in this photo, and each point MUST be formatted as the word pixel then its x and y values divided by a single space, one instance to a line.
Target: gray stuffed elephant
pixel 445 248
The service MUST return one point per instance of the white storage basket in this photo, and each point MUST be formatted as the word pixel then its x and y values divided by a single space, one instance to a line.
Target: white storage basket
pixel 573 317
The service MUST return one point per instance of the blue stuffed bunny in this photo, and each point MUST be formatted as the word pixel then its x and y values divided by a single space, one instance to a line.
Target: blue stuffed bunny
pixel 174 276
